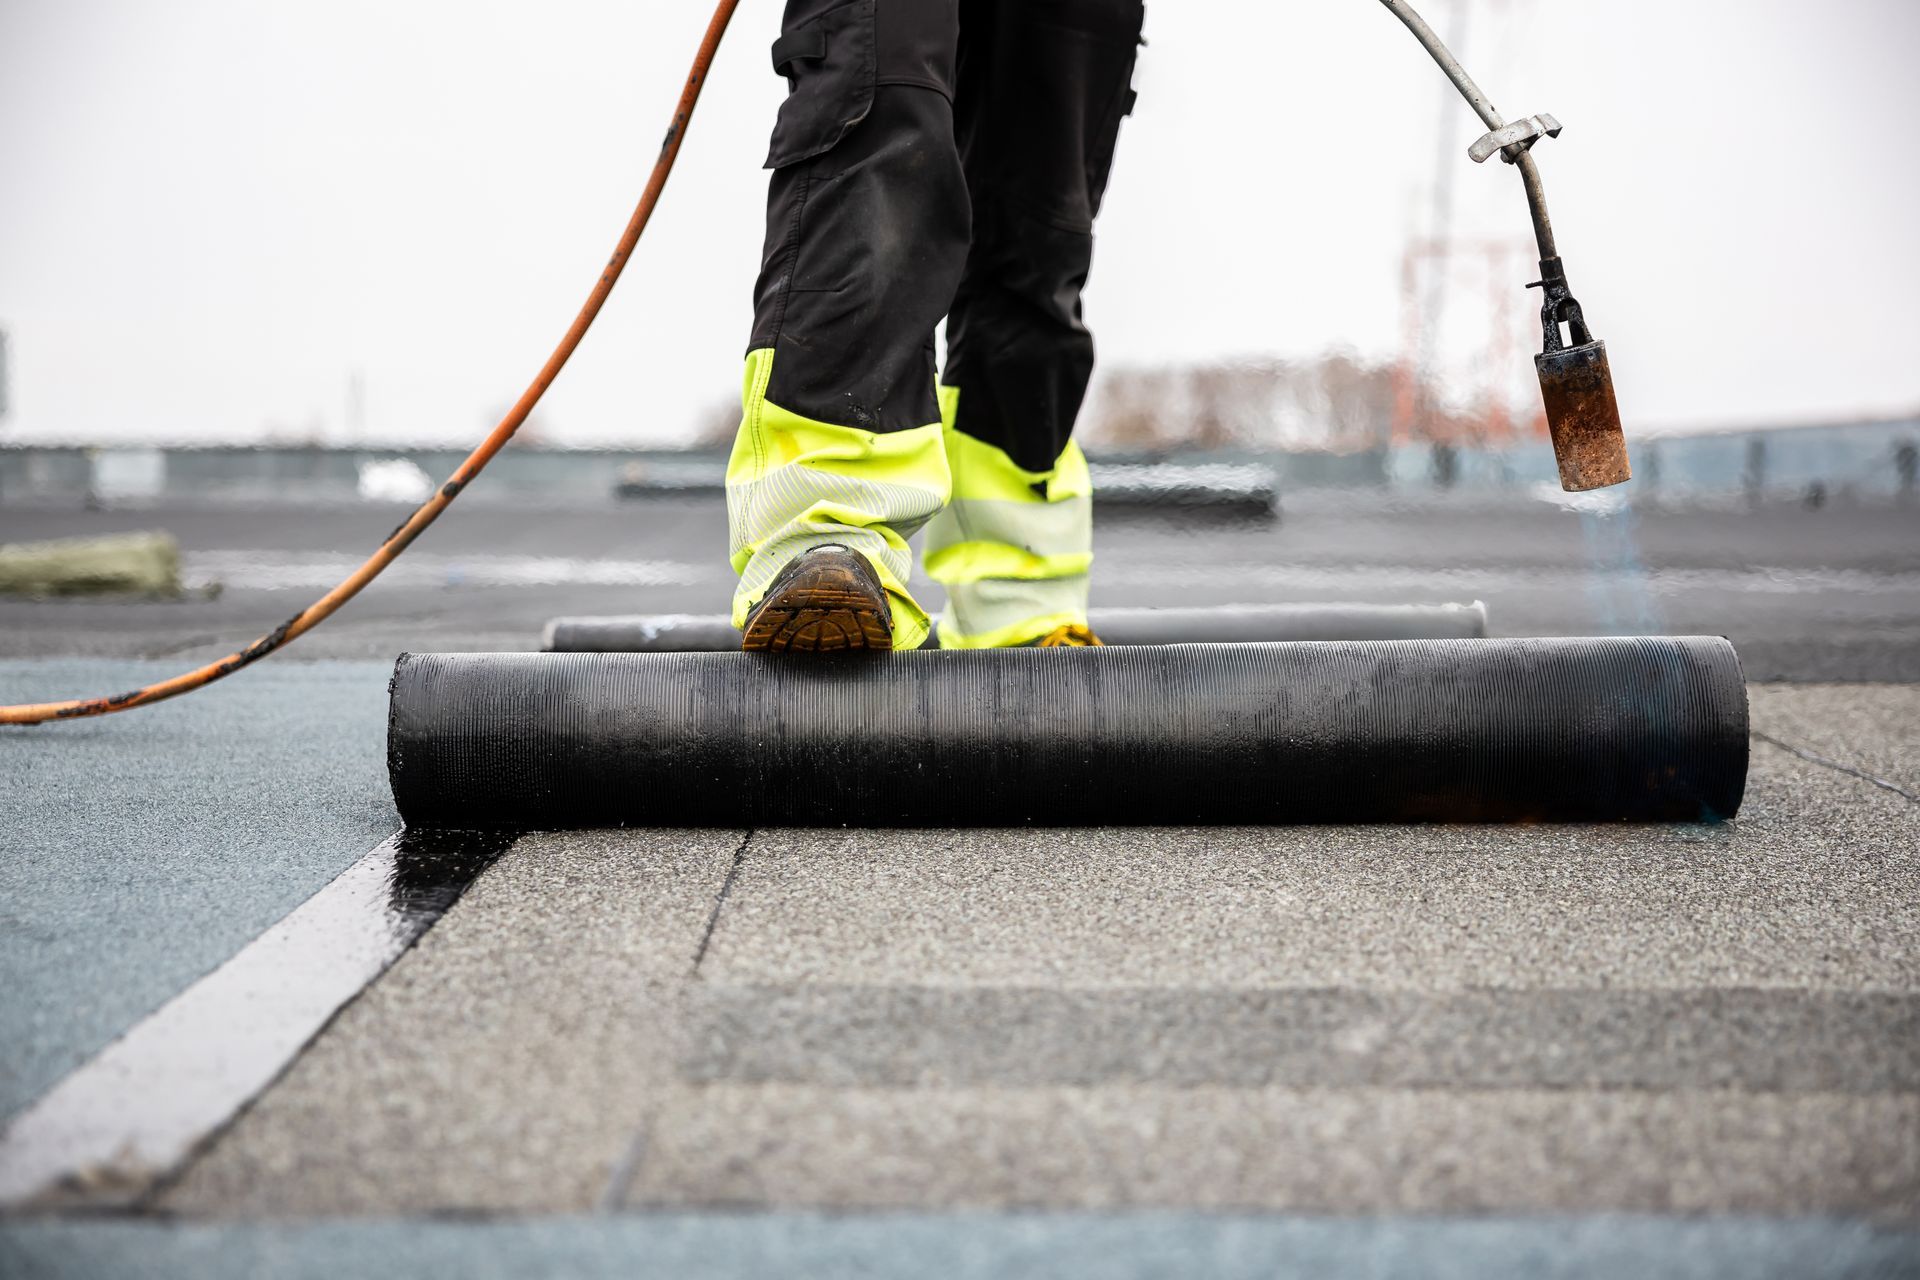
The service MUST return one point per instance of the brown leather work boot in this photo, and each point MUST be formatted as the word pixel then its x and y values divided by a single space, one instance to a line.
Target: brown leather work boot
pixel 826 599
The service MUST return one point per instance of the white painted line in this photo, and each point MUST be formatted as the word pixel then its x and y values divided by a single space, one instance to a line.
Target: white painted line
pixel 105 1134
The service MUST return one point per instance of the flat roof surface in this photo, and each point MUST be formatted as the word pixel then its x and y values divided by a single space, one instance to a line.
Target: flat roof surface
pixel 1342 1050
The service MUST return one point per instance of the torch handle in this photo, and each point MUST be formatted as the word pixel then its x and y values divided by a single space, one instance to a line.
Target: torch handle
pixel 1489 114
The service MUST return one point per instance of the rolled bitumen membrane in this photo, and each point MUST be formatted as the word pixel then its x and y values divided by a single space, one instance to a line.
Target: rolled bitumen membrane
pixel 1554 730
pixel 1186 489
pixel 1231 624
pixel 1189 490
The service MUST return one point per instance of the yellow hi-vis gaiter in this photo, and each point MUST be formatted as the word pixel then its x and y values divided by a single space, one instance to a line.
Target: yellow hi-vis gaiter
pixel 794 484
pixel 1013 546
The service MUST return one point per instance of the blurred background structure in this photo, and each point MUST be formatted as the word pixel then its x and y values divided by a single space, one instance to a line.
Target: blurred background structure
pixel 329 225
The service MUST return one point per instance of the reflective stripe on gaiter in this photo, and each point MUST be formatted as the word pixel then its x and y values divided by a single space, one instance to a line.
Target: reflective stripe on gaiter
pixel 1013 546
pixel 794 483
pixel 999 613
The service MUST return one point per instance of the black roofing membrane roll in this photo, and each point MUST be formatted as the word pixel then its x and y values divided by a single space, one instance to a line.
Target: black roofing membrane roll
pixel 1220 624
pixel 1547 730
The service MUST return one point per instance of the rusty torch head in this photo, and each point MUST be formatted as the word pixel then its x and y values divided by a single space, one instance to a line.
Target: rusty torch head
pixel 1574 378
pixel 1577 386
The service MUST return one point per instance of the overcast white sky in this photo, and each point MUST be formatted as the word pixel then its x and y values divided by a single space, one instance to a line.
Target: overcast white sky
pixel 213 212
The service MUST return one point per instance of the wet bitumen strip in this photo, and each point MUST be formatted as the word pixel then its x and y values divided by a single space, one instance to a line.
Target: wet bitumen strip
pixel 720 901
pixel 972 1245
pixel 120 1124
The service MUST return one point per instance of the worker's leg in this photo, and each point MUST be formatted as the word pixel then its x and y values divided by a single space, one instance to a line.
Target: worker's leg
pixel 1043 85
pixel 867 226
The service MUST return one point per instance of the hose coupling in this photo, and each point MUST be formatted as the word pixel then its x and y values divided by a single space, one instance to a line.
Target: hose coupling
pixel 1514 139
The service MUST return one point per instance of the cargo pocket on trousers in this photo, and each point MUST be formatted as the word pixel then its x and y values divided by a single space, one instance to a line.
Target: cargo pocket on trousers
pixel 829 65
pixel 1100 147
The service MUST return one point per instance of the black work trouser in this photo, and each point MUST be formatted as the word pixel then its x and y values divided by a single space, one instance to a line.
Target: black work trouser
pixel 940 158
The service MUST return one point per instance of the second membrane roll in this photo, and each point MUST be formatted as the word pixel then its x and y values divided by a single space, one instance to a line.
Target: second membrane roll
pixel 1220 624
pixel 1635 729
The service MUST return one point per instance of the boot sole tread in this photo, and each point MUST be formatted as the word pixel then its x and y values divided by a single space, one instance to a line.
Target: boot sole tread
pixel 824 609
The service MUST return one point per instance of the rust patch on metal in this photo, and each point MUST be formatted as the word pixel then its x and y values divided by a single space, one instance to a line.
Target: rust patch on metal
pixel 1583 417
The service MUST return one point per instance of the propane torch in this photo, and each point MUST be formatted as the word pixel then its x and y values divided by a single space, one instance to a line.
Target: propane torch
pixel 1575 382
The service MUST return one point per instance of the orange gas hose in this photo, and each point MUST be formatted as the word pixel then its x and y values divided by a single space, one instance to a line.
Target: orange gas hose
pixel 428 511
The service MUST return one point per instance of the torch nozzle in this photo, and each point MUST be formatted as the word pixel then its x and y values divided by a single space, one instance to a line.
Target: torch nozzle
pixel 1576 385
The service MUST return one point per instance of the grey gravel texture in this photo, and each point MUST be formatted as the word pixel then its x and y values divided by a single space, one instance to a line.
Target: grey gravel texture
pixel 1337 1151
pixel 1816 886
pixel 1358 1020
pixel 506 1061
pixel 139 851
pixel 1872 728
pixel 857 1036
